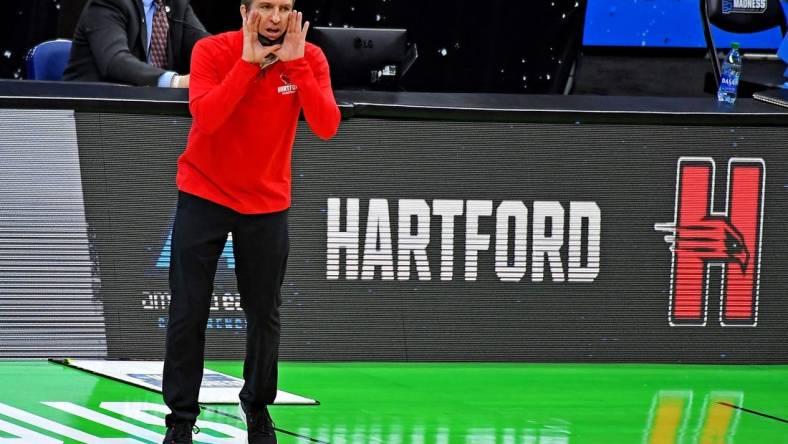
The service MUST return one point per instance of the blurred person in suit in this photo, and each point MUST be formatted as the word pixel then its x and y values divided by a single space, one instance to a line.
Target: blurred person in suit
pixel 135 42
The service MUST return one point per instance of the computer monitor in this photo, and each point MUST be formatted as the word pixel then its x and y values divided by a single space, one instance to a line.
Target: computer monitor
pixel 363 57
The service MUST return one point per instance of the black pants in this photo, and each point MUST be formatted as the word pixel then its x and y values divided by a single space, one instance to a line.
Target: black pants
pixel 260 244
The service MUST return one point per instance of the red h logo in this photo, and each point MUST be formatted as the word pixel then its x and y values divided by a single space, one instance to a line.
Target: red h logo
pixel 703 239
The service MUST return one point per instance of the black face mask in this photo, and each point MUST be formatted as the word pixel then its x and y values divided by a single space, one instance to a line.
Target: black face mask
pixel 268 42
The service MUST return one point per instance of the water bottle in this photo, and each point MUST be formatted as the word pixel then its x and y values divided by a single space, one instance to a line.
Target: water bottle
pixel 731 72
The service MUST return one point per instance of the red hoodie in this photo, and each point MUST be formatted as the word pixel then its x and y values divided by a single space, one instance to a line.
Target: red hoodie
pixel 244 123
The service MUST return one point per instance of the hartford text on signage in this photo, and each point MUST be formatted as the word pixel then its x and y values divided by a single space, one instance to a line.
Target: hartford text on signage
pixel 549 227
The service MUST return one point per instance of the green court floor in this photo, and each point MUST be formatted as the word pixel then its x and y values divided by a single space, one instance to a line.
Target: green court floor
pixel 42 402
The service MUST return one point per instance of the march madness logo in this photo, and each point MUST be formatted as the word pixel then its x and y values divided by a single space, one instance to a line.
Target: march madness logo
pixel 704 241
pixel 744 6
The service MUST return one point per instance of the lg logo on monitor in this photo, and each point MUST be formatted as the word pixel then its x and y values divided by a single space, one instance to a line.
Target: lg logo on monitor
pixel 359 43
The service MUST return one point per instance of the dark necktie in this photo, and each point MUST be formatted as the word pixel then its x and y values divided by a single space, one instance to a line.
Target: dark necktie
pixel 158 38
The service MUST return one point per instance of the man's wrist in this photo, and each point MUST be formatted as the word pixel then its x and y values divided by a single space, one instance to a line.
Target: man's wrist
pixel 165 80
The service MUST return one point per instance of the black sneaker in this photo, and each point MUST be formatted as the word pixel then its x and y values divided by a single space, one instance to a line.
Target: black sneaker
pixel 259 426
pixel 180 433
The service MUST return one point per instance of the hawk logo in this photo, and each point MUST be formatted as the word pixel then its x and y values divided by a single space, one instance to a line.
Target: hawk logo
pixel 702 240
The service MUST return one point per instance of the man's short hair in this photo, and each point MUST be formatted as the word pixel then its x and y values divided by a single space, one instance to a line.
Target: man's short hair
pixel 248 3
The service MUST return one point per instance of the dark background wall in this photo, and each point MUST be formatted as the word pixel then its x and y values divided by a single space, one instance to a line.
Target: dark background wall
pixel 494 46
pixel 24 23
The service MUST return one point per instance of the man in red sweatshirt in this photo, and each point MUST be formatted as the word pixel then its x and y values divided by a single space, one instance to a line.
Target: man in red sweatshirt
pixel 234 177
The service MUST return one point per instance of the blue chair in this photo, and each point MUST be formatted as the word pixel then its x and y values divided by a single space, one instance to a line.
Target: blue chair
pixel 47 60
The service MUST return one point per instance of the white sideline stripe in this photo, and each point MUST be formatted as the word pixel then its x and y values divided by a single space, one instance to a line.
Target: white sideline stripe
pixel 227 394
pixel 60 429
pixel 140 411
pixel 108 421
pixel 24 435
